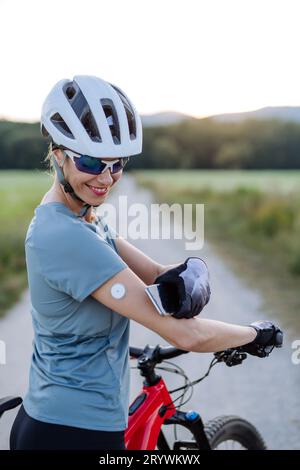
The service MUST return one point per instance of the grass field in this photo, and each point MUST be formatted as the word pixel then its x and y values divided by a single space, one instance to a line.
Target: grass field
pixel 283 181
pixel 20 193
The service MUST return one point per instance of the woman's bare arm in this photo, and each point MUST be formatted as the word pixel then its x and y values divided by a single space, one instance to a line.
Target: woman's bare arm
pixel 217 335
pixel 195 334
pixel 142 265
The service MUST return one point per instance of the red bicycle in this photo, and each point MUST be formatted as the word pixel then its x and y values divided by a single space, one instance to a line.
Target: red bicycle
pixel 154 408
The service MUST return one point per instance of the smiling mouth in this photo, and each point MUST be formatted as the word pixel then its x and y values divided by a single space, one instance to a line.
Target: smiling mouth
pixel 98 191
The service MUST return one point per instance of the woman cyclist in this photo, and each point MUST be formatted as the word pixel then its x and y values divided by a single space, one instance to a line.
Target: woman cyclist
pixel 86 285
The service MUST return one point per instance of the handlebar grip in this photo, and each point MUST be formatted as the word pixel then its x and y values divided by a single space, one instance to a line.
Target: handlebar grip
pixel 279 339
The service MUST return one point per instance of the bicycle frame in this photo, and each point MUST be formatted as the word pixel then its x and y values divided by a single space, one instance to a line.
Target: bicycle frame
pixel 146 417
pixel 154 407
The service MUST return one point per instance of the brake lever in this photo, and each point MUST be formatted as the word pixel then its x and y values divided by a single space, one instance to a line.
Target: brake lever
pixel 231 357
pixel 235 356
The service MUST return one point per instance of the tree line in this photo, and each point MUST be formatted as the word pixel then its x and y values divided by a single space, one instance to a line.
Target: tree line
pixel 203 143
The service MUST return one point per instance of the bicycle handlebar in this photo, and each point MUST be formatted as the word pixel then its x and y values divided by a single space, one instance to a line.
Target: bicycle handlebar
pixel 230 356
pixel 163 353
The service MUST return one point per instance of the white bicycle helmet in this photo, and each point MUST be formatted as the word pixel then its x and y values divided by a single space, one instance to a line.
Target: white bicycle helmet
pixel 92 117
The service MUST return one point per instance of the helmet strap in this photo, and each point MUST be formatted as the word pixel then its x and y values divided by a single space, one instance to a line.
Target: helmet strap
pixel 68 188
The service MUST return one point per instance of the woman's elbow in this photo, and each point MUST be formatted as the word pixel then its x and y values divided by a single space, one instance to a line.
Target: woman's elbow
pixel 183 335
pixel 194 338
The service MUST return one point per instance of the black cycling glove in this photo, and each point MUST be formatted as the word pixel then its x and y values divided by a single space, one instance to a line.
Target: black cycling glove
pixel 269 336
pixel 185 290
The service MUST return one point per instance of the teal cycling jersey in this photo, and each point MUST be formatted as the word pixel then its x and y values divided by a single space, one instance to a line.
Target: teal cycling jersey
pixel 79 374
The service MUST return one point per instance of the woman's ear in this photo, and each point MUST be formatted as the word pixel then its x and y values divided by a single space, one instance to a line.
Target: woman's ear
pixel 59 157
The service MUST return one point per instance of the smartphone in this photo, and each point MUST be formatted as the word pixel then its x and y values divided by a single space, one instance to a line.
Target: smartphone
pixel 153 293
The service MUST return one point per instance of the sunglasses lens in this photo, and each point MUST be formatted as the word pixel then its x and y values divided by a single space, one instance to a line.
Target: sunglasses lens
pixel 95 166
pixel 88 164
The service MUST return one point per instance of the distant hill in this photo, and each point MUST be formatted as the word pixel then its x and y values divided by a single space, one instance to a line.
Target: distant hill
pixel 164 118
pixel 284 113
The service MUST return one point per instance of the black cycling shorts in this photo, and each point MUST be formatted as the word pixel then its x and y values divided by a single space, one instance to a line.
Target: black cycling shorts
pixel 30 434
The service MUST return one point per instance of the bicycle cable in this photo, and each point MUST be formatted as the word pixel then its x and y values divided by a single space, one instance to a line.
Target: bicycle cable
pixel 191 384
pixel 176 370
pixel 187 386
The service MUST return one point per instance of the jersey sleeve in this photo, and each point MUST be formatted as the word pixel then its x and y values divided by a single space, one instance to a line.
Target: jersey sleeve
pixel 76 260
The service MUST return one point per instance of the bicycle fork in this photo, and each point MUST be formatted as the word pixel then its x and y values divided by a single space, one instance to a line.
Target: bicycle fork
pixel 193 422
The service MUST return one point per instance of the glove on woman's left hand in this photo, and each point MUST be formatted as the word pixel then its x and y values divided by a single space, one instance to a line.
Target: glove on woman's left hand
pixel 269 336
pixel 185 290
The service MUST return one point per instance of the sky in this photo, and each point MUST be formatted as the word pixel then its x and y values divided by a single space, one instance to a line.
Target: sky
pixel 199 57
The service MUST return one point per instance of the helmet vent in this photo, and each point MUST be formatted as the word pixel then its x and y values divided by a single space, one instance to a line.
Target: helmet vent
pixel 45 133
pixel 112 120
pixel 70 92
pixel 61 125
pixel 82 110
pixel 90 126
pixel 129 113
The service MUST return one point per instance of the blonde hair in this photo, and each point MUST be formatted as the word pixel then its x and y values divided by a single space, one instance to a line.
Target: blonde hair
pixel 49 162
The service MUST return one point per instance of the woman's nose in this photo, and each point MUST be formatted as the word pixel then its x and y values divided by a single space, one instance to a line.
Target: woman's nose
pixel 105 177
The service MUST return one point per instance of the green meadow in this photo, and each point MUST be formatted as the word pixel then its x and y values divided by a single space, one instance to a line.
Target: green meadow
pixel 20 193
pixel 283 181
